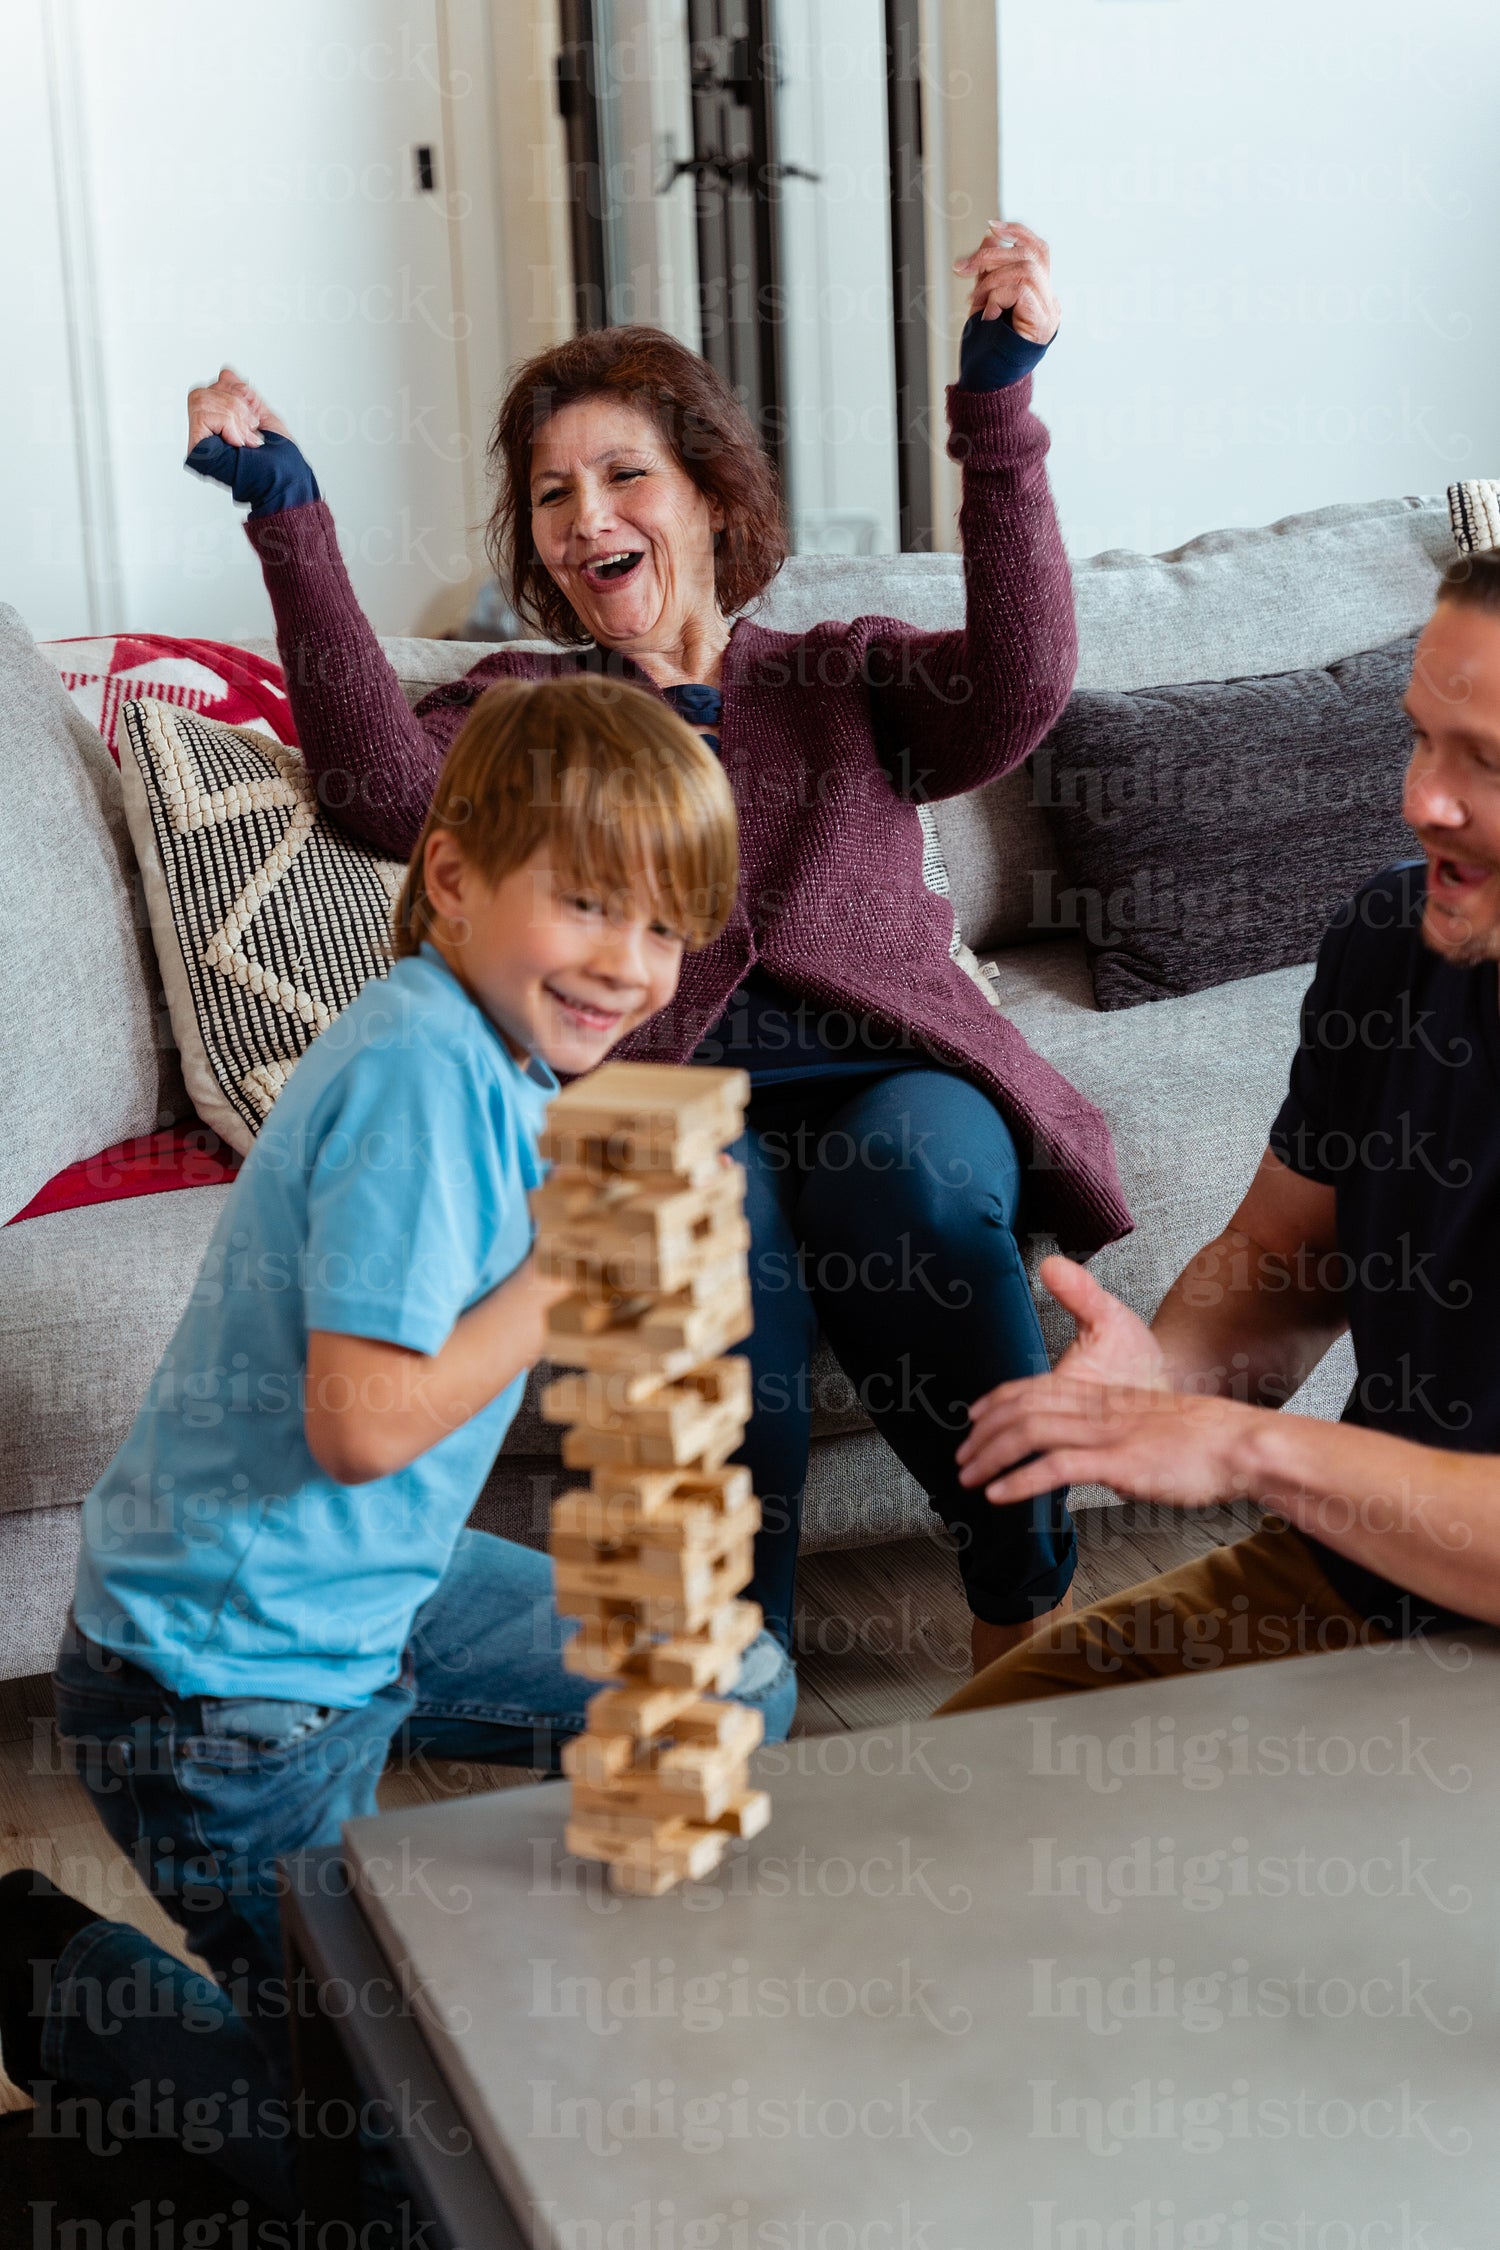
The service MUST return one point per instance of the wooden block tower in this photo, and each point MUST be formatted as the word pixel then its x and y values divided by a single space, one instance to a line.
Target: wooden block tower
pixel 644 1215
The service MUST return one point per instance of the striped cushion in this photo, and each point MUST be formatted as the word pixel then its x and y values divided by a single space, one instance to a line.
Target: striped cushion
pixel 1474 511
pixel 267 918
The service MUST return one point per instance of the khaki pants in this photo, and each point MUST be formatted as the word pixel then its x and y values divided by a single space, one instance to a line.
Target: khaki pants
pixel 1262 1598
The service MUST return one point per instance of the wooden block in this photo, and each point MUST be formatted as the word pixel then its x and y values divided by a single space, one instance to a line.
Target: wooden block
pixel 599 1610
pixel 664 1565
pixel 656 1242
pixel 733 1725
pixel 602 1816
pixel 648 1879
pixel 651 1491
pixel 573 1191
pixel 701 1597
pixel 652 1797
pixel 599 1653
pixel 655 1345
pixel 584 1315
pixel 748 1815
pixel 627 1117
pixel 595 1758
pixel 653 1867
pixel 706 1661
pixel 682 1534
pixel 639 1710
pixel 677 1510
pixel 696 1420
pixel 595 1307
pixel 703 1593
pixel 601 1402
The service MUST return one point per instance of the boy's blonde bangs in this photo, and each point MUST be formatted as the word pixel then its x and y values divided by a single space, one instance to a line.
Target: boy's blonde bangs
pixel 631 803
pixel 649 834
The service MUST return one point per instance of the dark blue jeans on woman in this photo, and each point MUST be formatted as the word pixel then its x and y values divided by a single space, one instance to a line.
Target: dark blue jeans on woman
pixel 884 1209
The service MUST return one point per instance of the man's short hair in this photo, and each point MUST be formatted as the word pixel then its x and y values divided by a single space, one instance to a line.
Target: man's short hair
pixel 1474 579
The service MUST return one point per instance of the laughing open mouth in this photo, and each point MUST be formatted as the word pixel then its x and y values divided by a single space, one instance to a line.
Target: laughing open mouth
pixel 1455 875
pixel 610 570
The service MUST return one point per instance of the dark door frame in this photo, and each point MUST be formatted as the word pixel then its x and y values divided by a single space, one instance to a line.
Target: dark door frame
pixel 578 99
pixel 909 297
pixel 737 178
pixel 736 183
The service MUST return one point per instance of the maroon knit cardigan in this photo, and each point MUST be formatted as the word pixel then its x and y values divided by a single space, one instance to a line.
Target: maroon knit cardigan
pixel 828 739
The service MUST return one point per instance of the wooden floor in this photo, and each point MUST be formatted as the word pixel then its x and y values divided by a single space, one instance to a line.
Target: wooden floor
pixel 882 1635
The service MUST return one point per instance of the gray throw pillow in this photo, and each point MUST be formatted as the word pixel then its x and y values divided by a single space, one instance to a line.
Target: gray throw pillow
pixel 1208 832
pixel 85 1047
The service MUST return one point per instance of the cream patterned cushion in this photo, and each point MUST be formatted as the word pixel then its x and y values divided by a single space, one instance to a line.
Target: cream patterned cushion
pixel 267 917
pixel 1474 511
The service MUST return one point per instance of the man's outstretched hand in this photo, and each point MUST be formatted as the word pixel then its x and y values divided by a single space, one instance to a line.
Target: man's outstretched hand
pixel 1106 1414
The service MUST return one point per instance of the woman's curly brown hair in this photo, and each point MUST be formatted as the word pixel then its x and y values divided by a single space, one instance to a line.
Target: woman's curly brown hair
pixel 709 433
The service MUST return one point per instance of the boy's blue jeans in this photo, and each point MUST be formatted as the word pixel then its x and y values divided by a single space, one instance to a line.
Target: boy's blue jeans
pixel 205 1795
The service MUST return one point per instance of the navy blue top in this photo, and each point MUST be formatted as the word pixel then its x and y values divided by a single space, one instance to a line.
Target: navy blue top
pixel 777 1035
pixel 1392 1103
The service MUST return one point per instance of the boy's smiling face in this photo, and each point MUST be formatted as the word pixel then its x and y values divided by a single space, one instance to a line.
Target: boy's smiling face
pixel 561 973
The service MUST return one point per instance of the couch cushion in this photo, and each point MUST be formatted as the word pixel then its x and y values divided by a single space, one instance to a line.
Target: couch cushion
pixel 268 917
pixel 85 1051
pixel 1210 832
pixel 1189 1087
pixel 1286 597
pixel 91 1298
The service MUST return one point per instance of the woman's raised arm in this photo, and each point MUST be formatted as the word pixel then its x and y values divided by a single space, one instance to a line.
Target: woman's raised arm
pixel 957 709
pixel 373 759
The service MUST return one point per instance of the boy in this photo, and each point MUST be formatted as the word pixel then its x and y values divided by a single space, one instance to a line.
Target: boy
pixel 275 1578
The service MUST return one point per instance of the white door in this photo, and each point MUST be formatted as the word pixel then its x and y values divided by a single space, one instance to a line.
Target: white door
pixel 43 570
pixel 253 194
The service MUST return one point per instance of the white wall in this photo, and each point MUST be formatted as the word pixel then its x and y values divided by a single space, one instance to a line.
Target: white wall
pixel 245 195
pixel 1274 234
pixel 836 265
pixel 44 572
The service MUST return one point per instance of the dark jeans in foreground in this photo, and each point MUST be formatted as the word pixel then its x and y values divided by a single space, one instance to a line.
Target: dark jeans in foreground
pixel 206 1794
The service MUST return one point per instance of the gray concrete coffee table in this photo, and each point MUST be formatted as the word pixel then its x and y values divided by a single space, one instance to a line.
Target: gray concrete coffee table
pixel 1213 1962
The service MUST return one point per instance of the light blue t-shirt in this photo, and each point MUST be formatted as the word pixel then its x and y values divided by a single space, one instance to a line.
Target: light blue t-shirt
pixel 385 1194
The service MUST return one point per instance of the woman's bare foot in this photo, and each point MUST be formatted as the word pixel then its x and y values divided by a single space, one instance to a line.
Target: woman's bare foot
pixel 988 1642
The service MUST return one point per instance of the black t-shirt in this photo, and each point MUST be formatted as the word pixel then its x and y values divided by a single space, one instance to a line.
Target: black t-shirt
pixel 1395 1104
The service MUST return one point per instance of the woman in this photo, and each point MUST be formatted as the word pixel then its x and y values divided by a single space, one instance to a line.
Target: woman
pixel 895 1117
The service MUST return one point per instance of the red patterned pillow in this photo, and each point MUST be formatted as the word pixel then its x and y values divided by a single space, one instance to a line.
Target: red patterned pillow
pixel 223 683
pixel 229 684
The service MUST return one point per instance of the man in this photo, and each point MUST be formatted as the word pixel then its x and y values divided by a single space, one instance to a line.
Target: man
pixel 1375 1208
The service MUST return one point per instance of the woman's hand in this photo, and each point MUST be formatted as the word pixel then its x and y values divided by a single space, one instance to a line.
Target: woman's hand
pixel 1012 271
pixel 230 409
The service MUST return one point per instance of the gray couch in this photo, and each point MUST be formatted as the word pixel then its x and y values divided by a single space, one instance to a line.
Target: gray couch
pixel 88 1298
